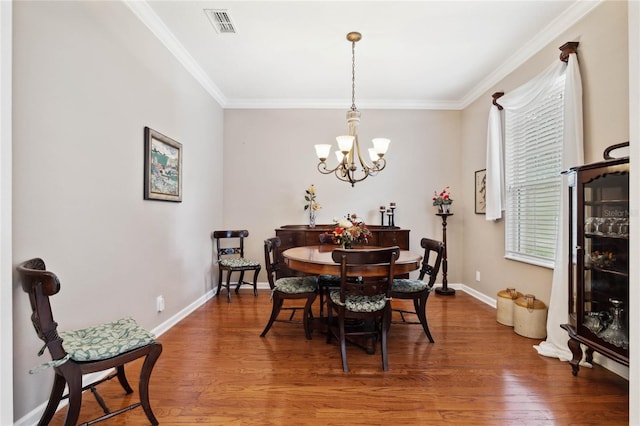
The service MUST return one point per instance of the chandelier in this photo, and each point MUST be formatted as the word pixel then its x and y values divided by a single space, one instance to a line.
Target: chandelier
pixel 348 147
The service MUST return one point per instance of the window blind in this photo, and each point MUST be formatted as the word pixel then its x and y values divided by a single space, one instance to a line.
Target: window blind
pixel 533 163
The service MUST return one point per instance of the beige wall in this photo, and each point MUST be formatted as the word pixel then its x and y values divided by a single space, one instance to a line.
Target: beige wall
pixel 604 69
pixel 87 78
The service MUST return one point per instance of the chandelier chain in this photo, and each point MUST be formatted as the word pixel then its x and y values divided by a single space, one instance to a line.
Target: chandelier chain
pixel 353 75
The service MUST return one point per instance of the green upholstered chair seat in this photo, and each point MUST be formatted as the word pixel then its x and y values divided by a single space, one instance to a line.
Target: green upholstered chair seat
pixel 409 286
pixel 296 285
pixel 105 340
pixel 360 303
pixel 238 263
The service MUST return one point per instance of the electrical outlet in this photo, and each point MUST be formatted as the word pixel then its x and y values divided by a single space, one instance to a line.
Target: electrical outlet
pixel 160 303
pixel 478 276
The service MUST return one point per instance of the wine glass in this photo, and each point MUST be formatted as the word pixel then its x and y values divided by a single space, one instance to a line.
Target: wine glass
pixel 589 225
pixel 600 222
pixel 623 228
pixel 613 226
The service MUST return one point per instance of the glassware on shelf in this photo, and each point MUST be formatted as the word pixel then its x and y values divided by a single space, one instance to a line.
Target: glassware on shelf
pixel 590 225
pixel 612 227
pixel 600 225
pixel 594 321
pixel 623 227
pixel 615 332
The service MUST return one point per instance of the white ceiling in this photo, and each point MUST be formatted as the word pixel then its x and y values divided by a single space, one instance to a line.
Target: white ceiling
pixel 413 54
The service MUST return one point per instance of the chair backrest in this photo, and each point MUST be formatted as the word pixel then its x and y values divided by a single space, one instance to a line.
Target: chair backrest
pixel 234 245
pixel 371 284
pixel 432 251
pixel 40 284
pixel 271 248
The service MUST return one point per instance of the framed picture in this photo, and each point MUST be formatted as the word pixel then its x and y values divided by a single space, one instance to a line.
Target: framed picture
pixel 162 167
pixel 481 191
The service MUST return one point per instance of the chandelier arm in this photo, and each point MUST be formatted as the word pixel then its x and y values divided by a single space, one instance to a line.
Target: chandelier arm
pixel 350 177
pixel 322 168
pixel 365 166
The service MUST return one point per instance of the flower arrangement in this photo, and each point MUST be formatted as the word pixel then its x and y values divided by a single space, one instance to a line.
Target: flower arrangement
pixel 310 198
pixel 348 231
pixel 444 197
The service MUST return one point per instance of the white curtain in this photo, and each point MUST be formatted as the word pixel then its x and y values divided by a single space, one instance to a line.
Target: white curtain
pixel 556 342
pixel 573 155
pixel 494 195
pixel 514 100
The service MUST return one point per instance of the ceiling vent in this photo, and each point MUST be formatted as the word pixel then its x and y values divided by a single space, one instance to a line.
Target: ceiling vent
pixel 221 21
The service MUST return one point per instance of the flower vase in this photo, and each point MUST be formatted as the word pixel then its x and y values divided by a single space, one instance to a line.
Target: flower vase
pixel 444 208
pixel 347 245
pixel 312 218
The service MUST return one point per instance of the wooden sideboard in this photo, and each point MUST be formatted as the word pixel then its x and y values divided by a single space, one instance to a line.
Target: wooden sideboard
pixel 303 235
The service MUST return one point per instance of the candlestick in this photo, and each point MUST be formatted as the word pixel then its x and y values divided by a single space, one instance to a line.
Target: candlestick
pixel 392 222
pixel 382 210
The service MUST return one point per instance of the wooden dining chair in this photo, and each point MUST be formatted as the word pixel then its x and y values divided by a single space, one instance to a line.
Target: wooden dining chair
pixel 91 350
pixel 418 290
pixel 229 256
pixel 326 282
pixel 367 298
pixel 287 288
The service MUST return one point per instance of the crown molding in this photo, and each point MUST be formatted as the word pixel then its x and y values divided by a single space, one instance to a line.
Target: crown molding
pixel 555 28
pixel 145 13
pixel 340 104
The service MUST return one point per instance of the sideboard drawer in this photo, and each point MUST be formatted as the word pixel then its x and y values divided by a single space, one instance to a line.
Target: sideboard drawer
pixel 395 238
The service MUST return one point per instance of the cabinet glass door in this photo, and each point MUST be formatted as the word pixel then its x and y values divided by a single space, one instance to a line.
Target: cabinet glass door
pixel 602 311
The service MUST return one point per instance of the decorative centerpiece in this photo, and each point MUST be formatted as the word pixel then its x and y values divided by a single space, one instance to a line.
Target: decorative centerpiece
pixel 443 200
pixel 311 205
pixel 347 232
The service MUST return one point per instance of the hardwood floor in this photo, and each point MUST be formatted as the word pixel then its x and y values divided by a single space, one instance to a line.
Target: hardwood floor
pixel 216 370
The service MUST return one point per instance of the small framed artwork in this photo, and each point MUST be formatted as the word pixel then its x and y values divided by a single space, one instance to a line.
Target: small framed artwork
pixel 481 191
pixel 162 167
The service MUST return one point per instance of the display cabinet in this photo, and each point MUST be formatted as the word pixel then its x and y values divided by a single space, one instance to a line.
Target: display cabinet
pixel 599 261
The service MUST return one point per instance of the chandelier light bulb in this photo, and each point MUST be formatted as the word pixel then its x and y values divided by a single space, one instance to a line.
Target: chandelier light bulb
pixel 322 151
pixel 381 145
pixel 373 155
pixel 345 143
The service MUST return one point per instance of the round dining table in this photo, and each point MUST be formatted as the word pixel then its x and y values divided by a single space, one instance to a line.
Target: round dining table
pixel 317 260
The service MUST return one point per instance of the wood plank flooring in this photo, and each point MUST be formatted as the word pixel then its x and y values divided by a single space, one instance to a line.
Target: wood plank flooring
pixel 216 370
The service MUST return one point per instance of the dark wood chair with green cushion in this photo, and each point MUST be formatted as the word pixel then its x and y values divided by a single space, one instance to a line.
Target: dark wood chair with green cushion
pixel 419 290
pixel 367 299
pixel 92 350
pixel 229 256
pixel 286 288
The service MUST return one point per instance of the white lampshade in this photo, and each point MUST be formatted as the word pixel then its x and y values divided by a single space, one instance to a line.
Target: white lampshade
pixel 373 155
pixel 322 151
pixel 339 156
pixel 345 142
pixel 381 145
